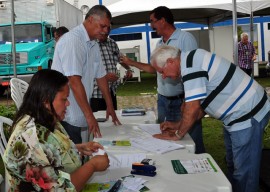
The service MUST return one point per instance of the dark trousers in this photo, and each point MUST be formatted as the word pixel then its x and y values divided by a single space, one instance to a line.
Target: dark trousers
pixel 98 104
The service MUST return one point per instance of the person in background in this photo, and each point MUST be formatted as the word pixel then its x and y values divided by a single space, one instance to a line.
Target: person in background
pixel 59 32
pixel 39 155
pixel 170 91
pixel 77 55
pixel 246 54
pixel 215 86
pixel 110 56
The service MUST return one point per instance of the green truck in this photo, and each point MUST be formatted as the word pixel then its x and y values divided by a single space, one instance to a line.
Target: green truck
pixel 34 50
pixel 35 22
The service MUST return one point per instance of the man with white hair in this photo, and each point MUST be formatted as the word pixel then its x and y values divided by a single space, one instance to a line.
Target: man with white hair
pixel 246 54
pixel 215 86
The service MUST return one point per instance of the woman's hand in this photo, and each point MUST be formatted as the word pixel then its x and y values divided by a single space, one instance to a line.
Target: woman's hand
pixel 89 147
pixel 100 162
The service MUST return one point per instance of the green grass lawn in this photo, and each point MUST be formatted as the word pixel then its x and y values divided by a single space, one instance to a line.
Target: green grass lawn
pixel 147 85
pixel 212 129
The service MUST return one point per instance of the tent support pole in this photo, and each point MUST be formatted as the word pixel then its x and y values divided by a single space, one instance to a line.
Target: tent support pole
pixel 235 38
pixel 13 39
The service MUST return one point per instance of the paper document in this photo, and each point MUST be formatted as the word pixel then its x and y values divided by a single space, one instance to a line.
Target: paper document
pixel 152 129
pixel 193 166
pixel 134 183
pixel 125 160
pixel 98 187
pixel 154 145
pixel 129 184
pixel 119 143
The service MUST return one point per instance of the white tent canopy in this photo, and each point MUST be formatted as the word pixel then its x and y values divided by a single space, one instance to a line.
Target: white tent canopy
pixel 127 12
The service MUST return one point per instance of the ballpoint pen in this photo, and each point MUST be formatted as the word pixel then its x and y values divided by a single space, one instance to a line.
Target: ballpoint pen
pixel 116 186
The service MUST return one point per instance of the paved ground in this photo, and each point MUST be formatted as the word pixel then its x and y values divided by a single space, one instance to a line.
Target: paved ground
pixel 148 101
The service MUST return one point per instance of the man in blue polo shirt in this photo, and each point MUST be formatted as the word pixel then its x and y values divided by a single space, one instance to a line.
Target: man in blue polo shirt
pixel 170 91
pixel 215 86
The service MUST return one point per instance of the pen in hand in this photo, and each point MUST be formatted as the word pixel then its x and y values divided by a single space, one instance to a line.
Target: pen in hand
pixel 162 129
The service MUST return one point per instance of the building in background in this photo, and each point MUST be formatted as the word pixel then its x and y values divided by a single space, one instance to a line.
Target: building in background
pixel 218 39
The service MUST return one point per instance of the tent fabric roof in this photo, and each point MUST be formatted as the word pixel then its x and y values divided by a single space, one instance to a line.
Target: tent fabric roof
pixel 128 12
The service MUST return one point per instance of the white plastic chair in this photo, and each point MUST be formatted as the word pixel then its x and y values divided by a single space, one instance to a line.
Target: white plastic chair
pixel 3 144
pixel 18 89
pixel 3 141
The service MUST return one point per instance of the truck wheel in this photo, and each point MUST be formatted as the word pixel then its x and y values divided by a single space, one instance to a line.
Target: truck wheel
pixel 2 90
pixel 50 64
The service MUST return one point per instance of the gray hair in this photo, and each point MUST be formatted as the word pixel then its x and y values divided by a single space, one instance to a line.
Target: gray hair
pixel 244 35
pixel 161 54
pixel 99 10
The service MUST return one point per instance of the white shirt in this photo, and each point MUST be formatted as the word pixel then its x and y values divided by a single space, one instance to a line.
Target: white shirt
pixel 76 54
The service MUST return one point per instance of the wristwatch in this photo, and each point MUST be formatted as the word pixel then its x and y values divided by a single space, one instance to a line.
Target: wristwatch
pixel 178 135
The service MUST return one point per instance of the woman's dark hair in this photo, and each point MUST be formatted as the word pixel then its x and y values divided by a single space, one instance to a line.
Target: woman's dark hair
pixel 61 31
pixel 43 87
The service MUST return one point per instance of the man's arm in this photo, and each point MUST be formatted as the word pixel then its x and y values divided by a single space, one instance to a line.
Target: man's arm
pixel 103 86
pixel 78 90
pixel 191 113
pixel 128 72
pixel 201 113
pixel 142 66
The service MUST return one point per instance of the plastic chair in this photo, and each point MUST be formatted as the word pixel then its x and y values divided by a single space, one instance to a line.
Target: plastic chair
pixel 18 89
pixel 3 144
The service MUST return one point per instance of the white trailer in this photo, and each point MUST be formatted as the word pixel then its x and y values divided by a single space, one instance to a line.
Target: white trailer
pixel 56 12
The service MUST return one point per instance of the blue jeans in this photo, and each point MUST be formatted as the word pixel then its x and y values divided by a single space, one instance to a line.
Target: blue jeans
pixel 243 155
pixel 171 110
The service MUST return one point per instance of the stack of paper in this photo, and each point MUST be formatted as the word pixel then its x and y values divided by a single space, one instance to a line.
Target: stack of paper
pixel 124 160
pixel 152 129
pixel 154 145
pixel 134 183
pixel 133 111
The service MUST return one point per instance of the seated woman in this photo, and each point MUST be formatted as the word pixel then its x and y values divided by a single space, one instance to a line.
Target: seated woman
pixel 39 155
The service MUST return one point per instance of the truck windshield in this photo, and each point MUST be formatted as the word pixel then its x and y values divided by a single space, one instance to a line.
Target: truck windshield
pixel 23 33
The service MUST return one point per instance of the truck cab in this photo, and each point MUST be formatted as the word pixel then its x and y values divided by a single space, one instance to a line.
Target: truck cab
pixel 34 50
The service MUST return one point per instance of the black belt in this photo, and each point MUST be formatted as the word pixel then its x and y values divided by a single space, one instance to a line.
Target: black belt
pixel 181 96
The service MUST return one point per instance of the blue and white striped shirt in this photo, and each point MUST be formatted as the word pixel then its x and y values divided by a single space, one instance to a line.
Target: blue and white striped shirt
pixel 225 91
pixel 76 54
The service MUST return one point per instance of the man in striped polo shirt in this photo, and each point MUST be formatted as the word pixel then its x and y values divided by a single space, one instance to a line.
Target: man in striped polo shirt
pixel 215 86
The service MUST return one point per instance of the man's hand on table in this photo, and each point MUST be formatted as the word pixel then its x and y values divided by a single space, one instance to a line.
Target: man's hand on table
pixel 111 112
pixel 168 130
